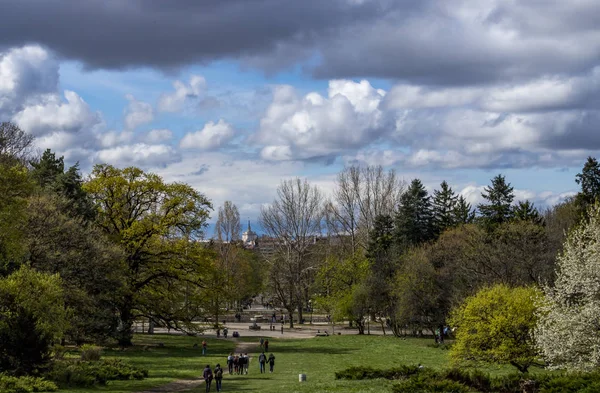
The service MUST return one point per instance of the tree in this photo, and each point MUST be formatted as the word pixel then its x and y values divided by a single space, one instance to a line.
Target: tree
pixel 32 318
pixel 569 315
pixel 444 203
pixel 589 180
pixel 15 144
pixel 496 325
pixel 499 197
pixel 49 172
pixel 463 213
pixel 155 223
pixel 293 220
pixel 526 211
pixel 413 221
pixel 361 195
pixel 90 266
pixel 228 226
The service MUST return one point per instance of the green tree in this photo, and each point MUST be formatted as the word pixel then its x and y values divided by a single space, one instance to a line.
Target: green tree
pixel 443 207
pixel 569 315
pixel 589 180
pixel 496 325
pixel 499 197
pixel 49 172
pixel 32 318
pixel 463 212
pixel 154 222
pixel 526 211
pixel 413 221
pixel 90 266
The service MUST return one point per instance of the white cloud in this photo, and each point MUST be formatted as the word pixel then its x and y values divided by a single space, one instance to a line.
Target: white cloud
pixel 315 126
pixel 139 154
pixel 25 73
pixel 137 113
pixel 175 101
pixel 52 115
pixel 158 135
pixel 212 136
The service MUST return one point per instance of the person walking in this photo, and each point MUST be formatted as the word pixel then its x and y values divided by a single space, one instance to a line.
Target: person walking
pixel 236 364
pixel 230 363
pixel 262 360
pixel 218 377
pixel 262 341
pixel 266 345
pixel 225 332
pixel 204 345
pixel 208 377
pixel 271 362
pixel 246 363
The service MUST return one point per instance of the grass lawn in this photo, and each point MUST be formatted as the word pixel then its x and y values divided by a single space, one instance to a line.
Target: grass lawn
pixel 317 357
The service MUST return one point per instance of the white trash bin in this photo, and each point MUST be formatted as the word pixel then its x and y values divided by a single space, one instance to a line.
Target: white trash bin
pixel 302 377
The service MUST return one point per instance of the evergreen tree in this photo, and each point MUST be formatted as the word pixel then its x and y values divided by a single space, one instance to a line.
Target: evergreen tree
pixel 526 211
pixel 444 202
pixel 589 179
pixel 414 224
pixel 499 196
pixel 380 238
pixel 49 172
pixel 463 212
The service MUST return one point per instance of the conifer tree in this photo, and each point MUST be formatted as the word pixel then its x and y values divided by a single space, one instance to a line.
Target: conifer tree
pixel 413 220
pixel 463 212
pixel 526 211
pixel 499 196
pixel 589 179
pixel 444 202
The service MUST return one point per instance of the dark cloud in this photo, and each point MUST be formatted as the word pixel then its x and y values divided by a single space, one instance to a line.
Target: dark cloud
pixel 164 34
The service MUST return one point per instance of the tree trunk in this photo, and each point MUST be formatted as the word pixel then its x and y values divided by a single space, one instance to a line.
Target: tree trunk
pixel 300 313
pixel 125 332
pixel 360 324
pixel 291 315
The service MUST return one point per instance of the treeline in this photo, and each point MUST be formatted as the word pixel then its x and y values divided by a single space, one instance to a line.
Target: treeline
pixel 82 259
pixel 399 256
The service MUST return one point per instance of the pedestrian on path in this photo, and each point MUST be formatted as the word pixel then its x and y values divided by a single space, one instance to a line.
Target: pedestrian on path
pixel 204 345
pixel 262 360
pixel 208 377
pixel 246 363
pixel 267 345
pixel 230 363
pixel 262 341
pixel 271 362
pixel 218 376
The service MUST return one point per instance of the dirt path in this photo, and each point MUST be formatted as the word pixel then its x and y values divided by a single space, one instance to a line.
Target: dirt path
pixel 185 385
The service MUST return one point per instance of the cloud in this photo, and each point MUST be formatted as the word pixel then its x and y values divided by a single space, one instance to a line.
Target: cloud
pixel 158 135
pixel 52 115
pixel 175 101
pixel 25 72
pixel 315 126
pixel 137 113
pixel 139 154
pixel 212 136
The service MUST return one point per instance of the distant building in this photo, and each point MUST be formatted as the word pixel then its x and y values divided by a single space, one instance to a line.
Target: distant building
pixel 249 238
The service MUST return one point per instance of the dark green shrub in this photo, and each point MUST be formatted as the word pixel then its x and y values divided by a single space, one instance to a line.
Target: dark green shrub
pixel 571 383
pixel 10 384
pixel 358 373
pixel 508 383
pixel 428 384
pixel 474 379
pixel 86 374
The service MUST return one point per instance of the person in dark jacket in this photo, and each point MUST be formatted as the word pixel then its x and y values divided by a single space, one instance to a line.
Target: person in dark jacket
pixel 271 361
pixel 262 360
pixel 208 377
pixel 218 376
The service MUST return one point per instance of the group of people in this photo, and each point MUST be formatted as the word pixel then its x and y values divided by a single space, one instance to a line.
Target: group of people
pixel 209 375
pixel 238 364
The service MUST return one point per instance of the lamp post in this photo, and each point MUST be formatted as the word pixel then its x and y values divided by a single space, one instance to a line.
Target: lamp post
pixel 311 309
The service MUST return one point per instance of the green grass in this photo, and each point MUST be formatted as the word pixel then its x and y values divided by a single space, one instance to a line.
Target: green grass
pixel 319 358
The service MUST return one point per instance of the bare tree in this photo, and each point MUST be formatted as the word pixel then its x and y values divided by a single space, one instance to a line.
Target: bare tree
pixel 14 142
pixel 293 220
pixel 361 194
pixel 228 225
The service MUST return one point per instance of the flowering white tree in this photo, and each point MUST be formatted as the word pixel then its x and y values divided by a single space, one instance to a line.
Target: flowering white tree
pixel 568 330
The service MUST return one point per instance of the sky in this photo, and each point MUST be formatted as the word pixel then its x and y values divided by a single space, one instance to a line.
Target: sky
pixel 234 96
